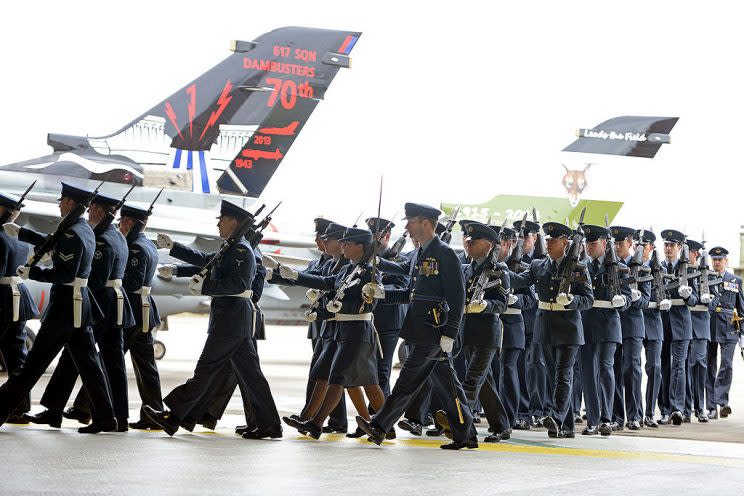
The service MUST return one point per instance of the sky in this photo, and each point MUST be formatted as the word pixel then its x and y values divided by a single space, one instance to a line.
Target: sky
pixel 448 102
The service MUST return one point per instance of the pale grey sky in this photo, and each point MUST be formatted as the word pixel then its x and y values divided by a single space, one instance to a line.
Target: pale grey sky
pixel 453 102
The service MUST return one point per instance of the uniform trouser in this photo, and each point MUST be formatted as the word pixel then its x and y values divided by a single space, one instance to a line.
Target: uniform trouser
pixel 337 419
pixel 577 390
pixel 678 374
pixel 618 399
pixel 422 362
pixel 653 374
pixel 111 345
pixel 50 340
pixel 598 377
pixel 718 382
pixel 13 349
pixel 559 360
pixel 629 388
pixel 479 384
pixel 140 347
pixel 536 379
pixel 510 386
pixel 240 352
pixel 666 373
pixel 697 369
pixel 388 340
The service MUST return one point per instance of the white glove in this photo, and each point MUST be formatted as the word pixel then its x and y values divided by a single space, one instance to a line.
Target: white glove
pixel 446 343
pixel 164 241
pixel 512 299
pixel 312 295
pixel 195 284
pixel 310 316
pixel 665 305
pixel 23 272
pixel 168 270
pixel 564 299
pixel 269 262
pixel 46 258
pixel 11 229
pixel 269 274
pixel 477 306
pixel 685 292
pixel 618 301
pixel 373 290
pixel 288 273
pixel 706 298
pixel 635 295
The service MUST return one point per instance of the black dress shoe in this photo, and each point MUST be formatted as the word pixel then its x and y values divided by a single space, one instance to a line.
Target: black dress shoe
pixel 98 427
pixel 310 429
pixel 46 417
pixel 73 413
pixel 634 425
pixel 165 419
pixel 335 430
pixel 522 425
pixel 19 419
pixel 551 425
pixel 391 434
pixel 665 420
pixel 589 430
pixel 578 419
pixel 650 422
pixel 677 418
pixel 702 417
pixel 144 425
pixel 411 426
pixel 686 418
pixel 441 419
pixel 358 432
pixel 208 422
pixel 616 426
pixel 121 426
pixel 375 435
pixel 471 443
pixel 242 429
pixel 563 434
pixel 725 411
pixel 712 414
pixel 435 432
pixel 295 422
pixel 476 418
pixel 264 433
pixel 506 435
pixel 189 424
pixel 535 422
pixel 492 438
pixel 605 429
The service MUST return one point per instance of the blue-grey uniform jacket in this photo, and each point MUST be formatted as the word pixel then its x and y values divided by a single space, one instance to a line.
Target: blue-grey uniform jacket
pixel 142 262
pixel 484 329
pixel 109 264
pixel 602 324
pixel 13 254
pixel 632 319
pixel 679 314
pixel 730 298
pixel 654 327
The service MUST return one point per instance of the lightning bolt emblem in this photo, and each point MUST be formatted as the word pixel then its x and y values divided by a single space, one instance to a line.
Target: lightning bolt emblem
pixel 191 91
pixel 172 116
pixel 222 102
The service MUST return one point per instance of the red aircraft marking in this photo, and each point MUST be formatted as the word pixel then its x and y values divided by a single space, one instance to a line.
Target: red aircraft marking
pixel 281 131
pixel 259 154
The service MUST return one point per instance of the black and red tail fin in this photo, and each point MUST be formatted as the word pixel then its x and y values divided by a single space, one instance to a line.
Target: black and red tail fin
pixel 227 131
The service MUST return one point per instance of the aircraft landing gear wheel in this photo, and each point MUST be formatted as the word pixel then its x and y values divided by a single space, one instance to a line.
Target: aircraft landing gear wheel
pixel 159 349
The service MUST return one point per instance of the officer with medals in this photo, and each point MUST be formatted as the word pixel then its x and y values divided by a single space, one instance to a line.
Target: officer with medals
pixel 628 402
pixel 16 304
pixel 697 358
pixel 725 331
pixel 105 282
pixel 677 333
pixel 229 337
pixel 353 293
pixel 437 300
pixel 388 318
pixel 558 323
pixel 513 346
pixel 602 334
pixel 67 320
pixel 532 369
pixel 653 328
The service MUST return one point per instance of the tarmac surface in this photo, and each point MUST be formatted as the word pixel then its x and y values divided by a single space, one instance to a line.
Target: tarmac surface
pixel 691 459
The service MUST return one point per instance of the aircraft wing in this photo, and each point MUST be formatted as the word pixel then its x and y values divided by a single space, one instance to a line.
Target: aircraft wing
pixel 629 136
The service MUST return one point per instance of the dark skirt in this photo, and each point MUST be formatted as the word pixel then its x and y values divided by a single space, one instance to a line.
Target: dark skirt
pixel 354 364
pixel 322 367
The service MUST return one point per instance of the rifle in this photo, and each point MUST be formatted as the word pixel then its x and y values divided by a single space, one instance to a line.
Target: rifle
pixel 446 236
pixel 612 264
pixel 50 242
pixel 683 279
pixel 238 234
pixel 514 262
pixel 571 263
pixel 705 281
pixel 636 265
pixel 394 251
pixel 490 276
pixel 659 278
pixel 540 251
pixel 255 235
pixel 104 223
pixel 137 228
pixel 9 212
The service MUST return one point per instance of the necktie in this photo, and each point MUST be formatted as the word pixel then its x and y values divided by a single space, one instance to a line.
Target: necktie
pixel 670 268
pixel 553 267
pixel 596 265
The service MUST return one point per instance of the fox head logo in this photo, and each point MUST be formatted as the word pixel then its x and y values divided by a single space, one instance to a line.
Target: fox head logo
pixel 575 182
